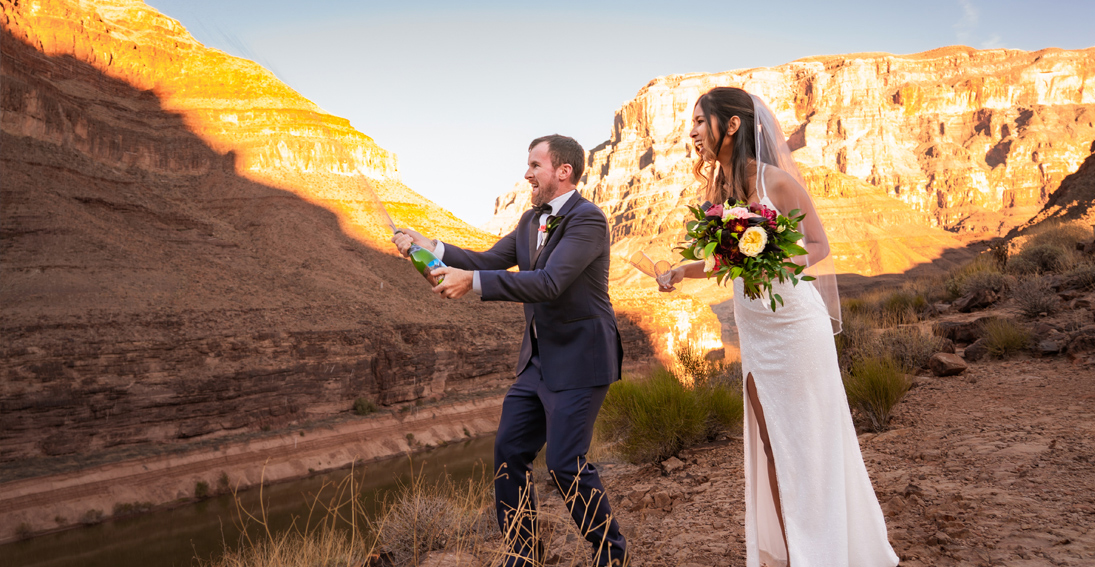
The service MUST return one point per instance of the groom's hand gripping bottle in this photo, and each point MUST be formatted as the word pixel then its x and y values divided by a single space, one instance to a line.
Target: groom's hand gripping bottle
pixel 425 262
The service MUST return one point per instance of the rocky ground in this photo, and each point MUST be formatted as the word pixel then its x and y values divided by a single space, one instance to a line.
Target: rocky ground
pixel 990 467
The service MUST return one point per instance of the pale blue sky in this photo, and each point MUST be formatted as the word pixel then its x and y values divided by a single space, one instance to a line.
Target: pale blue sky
pixel 458 89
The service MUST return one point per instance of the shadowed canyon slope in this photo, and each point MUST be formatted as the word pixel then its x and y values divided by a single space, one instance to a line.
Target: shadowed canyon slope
pixel 188 252
pixel 186 255
pixel 901 152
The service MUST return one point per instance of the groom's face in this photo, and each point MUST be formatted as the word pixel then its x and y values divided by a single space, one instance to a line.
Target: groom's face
pixel 541 174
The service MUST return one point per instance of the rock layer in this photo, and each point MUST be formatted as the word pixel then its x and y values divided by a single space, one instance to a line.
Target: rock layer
pixel 185 251
pixel 955 139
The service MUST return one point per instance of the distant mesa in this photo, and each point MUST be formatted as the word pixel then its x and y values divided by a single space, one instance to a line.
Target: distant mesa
pixel 906 155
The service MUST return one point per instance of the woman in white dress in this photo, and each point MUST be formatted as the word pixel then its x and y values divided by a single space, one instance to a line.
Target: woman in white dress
pixel 808 499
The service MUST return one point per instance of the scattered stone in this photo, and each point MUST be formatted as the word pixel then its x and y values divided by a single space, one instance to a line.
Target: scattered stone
pixel 961 331
pixel 977 300
pixel 672 465
pixel 663 500
pixel 947 345
pixel 947 364
pixel 1049 347
pixel 976 351
pixel 941 308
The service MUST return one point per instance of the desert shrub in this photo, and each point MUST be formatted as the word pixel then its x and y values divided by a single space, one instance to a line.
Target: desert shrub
pixel 691 362
pixel 857 338
pixel 1004 337
pixel 425 517
pixel 909 346
pixel 1041 258
pixel 654 418
pixel 364 406
pixel 875 385
pixel 23 530
pixel 902 306
pixel 956 278
pixel 984 281
pixel 1035 296
pixel 92 516
pixel 1065 235
pixel 223 483
pixel 201 490
pixel 1080 277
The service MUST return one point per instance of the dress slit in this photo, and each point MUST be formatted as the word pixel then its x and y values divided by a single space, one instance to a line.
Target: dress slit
pixel 771 546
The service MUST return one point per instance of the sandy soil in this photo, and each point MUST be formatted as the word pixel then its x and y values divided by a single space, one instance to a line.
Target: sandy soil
pixel 993 467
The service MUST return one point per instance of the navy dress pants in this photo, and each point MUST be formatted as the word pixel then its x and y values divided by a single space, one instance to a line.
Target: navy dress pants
pixel 532 415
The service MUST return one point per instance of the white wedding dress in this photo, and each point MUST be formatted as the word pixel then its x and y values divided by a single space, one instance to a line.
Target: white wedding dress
pixel 830 511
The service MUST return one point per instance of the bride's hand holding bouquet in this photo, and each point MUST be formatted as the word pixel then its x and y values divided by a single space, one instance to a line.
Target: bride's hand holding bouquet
pixel 752 242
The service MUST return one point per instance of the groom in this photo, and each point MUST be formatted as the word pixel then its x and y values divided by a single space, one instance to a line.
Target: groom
pixel 570 353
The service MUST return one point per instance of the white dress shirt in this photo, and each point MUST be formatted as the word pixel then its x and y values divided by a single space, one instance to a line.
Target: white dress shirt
pixel 556 204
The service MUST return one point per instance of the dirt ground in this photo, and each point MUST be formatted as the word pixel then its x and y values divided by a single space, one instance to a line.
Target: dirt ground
pixel 989 468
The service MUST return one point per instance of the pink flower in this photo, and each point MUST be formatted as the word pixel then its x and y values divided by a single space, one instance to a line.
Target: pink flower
pixel 714 211
pixel 737 213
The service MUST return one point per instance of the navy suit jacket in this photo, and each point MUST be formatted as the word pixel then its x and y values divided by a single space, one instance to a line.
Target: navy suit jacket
pixel 564 287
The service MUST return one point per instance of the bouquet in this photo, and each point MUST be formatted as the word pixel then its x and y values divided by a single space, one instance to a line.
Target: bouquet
pixel 752 242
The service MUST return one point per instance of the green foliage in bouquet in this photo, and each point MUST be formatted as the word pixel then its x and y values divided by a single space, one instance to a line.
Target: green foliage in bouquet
pixel 752 242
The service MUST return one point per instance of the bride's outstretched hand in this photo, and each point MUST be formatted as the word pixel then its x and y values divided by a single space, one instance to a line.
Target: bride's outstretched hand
pixel 667 282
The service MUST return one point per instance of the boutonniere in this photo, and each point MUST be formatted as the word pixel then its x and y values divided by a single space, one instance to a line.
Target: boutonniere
pixel 552 222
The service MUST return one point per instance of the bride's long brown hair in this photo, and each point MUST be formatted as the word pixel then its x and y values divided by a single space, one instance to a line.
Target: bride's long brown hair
pixel 718 105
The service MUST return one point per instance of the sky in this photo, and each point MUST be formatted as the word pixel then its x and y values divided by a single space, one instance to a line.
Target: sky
pixel 458 89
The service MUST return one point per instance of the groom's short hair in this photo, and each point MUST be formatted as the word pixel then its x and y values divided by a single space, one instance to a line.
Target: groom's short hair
pixel 564 149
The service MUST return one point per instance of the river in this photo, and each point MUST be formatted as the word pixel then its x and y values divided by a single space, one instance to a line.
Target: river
pixel 178 536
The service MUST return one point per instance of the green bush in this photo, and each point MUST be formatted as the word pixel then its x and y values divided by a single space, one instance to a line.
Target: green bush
pixel 1035 296
pixel 910 347
pixel 364 406
pixel 1004 337
pixel 655 418
pixel 875 385
pixel 201 490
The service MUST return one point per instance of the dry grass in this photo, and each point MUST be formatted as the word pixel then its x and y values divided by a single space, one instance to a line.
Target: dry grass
pixel 1004 337
pixel 457 519
pixel 653 418
pixel 1036 297
pixel 909 346
pixel 875 385
pixel 980 269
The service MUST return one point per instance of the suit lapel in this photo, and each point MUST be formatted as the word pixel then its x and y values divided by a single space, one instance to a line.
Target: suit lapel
pixel 534 226
pixel 533 229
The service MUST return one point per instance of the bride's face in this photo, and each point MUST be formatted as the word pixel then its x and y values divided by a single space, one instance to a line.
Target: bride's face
pixel 700 137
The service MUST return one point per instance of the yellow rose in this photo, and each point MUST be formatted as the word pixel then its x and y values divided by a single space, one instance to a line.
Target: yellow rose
pixel 753 240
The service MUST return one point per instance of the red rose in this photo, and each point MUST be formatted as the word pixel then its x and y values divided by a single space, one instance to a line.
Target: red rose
pixel 714 211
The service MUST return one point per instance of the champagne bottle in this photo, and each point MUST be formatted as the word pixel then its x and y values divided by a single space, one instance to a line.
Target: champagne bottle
pixel 424 261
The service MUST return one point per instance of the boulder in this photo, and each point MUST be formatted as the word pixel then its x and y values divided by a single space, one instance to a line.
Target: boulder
pixel 961 331
pixel 1082 343
pixel 976 300
pixel 672 465
pixel 947 364
pixel 947 345
pixel 976 351
pixel 1049 347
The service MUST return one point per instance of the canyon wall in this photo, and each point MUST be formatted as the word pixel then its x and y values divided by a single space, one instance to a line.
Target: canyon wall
pixel 186 253
pixel 906 155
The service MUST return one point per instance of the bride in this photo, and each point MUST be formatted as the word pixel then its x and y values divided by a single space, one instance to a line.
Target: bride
pixel 808 499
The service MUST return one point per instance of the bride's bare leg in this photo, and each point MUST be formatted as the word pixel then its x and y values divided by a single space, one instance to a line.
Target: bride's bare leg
pixel 754 403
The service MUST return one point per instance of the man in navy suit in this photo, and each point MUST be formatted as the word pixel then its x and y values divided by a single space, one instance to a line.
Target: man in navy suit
pixel 570 354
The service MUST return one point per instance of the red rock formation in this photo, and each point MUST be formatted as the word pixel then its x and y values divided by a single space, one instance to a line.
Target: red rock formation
pixel 1073 201
pixel 901 146
pixel 185 254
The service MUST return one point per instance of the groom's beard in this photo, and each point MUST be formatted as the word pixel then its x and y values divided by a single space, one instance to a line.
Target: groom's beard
pixel 544 193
